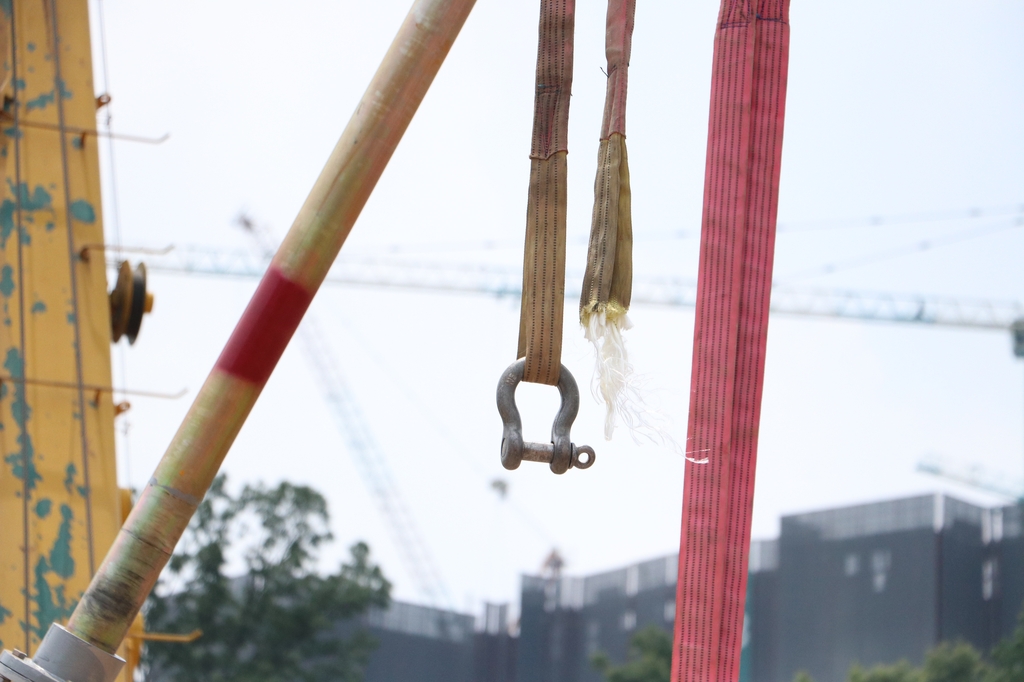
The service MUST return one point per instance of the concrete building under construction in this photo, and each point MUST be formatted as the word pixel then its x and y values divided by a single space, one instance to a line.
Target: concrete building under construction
pixel 874 583
pixel 869 584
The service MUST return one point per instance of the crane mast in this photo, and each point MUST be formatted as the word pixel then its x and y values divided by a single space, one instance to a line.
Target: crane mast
pixel 60 506
pixel 369 458
pixel 372 464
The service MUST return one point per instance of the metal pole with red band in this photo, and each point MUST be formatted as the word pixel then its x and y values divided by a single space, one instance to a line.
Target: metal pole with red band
pixel 741 188
pixel 193 458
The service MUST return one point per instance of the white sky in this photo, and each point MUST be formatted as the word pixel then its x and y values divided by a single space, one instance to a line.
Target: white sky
pixel 894 107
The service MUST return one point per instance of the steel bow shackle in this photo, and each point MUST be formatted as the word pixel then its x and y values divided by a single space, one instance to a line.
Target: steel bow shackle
pixel 561 452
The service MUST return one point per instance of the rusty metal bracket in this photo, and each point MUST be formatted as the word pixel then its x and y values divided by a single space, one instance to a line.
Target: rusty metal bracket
pixel 561 453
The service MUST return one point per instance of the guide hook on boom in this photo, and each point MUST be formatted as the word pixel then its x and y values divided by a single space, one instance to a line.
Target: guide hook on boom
pixel 561 453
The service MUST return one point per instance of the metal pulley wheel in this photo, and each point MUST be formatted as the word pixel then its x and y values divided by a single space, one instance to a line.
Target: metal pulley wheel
pixel 129 301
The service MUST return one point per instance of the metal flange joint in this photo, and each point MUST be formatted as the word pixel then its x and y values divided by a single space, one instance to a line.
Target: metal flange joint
pixel 61 657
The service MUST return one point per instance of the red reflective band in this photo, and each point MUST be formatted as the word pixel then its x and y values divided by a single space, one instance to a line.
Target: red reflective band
pixel 748 94
pixel 265 329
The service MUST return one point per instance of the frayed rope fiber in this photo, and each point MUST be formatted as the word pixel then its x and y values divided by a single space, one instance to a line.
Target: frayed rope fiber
pixel 608 282
pixel 613 372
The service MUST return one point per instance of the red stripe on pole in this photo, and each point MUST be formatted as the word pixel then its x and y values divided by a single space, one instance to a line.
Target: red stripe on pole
pixel 265 329
pixel 734 286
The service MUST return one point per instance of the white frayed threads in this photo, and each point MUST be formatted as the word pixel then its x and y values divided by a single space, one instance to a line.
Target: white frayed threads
pixel 613 373
pixel 620 389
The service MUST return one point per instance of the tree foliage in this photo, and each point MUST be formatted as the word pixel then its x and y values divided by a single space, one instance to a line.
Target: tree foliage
pixel 952 662
pixel 949 662
pixel 649 658
pixel 1008 657
pixel 277 621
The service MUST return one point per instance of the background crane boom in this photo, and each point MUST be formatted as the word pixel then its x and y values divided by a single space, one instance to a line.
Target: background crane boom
pixel 667 291
pixel 369 458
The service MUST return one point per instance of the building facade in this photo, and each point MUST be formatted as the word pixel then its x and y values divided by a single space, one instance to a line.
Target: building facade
pixel 869 584
pixel 423 644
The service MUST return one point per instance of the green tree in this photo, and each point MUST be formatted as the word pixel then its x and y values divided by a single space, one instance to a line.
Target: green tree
pixel 898 672
pixel 649 658
pixel 948 662
pixel 1008 657
pixel 279 620
pixel 954 662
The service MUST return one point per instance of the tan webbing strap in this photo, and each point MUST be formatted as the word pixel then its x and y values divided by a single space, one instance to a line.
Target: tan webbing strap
pixel 608 282
pixel 540 321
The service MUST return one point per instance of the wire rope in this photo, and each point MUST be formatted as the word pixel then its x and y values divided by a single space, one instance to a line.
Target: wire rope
pixel 116 216
pixel 26 479
pixel 904 250
pixel 72 264
pixel 942 216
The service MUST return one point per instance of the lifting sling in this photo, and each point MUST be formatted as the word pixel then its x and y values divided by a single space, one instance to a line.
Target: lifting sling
pixel 741 189
pixel 543 302
pixel 608 279
pixel 608 282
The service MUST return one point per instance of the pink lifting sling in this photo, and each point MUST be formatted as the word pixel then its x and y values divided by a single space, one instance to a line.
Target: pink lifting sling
pixel 741 189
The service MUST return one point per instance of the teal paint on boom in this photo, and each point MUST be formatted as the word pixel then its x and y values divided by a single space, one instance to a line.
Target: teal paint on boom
pixel 43 508
pixel 7 281
pixel 69 477
pixel 4 614
pixel 83 211
pixel 40 102
pixel 51 602
pixel 38 200
pixel 61 561
pixel 6 221
pixel 38 307
pixel 22 460
pixel 20 409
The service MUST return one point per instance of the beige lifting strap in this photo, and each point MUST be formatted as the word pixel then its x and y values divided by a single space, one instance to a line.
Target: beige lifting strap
pixel 543 302
pixel 608 282
pixel 607 285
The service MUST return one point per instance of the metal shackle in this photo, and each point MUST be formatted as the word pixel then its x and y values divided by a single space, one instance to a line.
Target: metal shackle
pixel 561 453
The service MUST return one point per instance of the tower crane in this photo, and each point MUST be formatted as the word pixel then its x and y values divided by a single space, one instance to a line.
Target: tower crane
pixel 368 456
pixel 974 479
pixel 389 272
pixel 398 273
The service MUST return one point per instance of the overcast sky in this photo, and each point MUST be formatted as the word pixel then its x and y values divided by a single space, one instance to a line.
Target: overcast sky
pixel 894 108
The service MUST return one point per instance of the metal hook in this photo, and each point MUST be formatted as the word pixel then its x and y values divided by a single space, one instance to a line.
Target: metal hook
pixel 561 453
